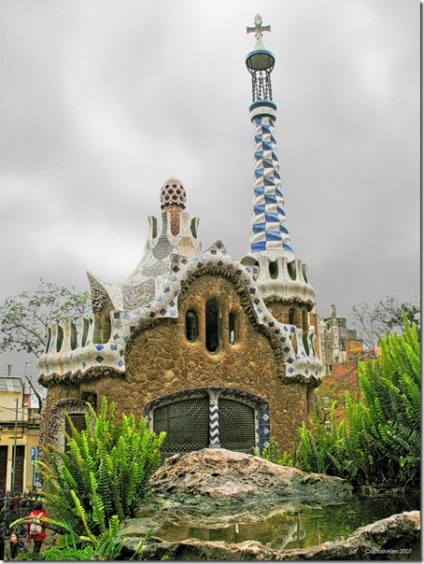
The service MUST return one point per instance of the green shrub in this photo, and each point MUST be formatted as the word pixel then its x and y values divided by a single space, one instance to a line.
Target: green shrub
pixel 379 445
pixel 103 473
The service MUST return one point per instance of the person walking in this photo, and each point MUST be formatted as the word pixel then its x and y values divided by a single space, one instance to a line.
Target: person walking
pixel 36 530
pixel 14 547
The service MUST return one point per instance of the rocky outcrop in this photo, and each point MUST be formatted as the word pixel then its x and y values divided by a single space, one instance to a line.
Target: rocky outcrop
pixel 225 475
pixel 393 538
pixel 236 495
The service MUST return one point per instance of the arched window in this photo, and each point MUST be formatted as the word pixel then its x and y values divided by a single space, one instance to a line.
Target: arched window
pixel 192 325
pixel 90 397
pixel 212 326
pixel 291 267
pixel 232 327
pixel 59 339
pixel 305 320
pixel 273 269
pixel 78 421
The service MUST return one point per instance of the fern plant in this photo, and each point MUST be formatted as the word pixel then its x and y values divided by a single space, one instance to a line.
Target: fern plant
pixel 70 546
pixel 103 473
pixel 380 443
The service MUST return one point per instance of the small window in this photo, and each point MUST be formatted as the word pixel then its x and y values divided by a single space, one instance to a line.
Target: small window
pixel 78 421
pixel 292 316
pixel 212 326
pixel 291 267
pixel 73 337
pixel 305 321
pixel 192 325
pixel 91 398
pixel 232 327
pixel 273 269
pixel 59 340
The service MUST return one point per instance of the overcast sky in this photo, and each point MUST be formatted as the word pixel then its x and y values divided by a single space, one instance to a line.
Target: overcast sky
pixel 103 100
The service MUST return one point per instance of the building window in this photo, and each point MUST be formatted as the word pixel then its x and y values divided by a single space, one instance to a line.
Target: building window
pixel 3 469
pixel 273 269
pixel 292 316
pixel 91 398
pixel 232 327
pixel 186 423
pixel 78 421
pixel 291 267
pixel 59 339
pixel 192 325
pixel 212 326
pixel 305 320
pixel 18 459
pixel 200 418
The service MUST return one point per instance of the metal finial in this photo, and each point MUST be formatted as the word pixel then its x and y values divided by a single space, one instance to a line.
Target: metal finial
pixel 258 29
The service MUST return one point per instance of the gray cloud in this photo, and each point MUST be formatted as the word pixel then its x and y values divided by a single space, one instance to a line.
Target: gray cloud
pixel 102 101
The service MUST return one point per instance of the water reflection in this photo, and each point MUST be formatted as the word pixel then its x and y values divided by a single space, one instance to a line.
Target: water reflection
pixel 304 527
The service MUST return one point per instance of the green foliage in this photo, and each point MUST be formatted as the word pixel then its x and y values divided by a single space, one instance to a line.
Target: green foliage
pixel 272 453
pixel 102 476
pixel 24 318
pixel 380 444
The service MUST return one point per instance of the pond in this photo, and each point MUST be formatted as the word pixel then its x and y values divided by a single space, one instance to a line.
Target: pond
pixel 300 527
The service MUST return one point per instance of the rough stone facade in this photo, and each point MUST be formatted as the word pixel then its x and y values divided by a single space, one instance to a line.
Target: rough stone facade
pixel 161 360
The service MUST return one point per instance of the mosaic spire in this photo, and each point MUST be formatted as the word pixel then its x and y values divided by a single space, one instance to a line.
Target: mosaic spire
pixel 269 234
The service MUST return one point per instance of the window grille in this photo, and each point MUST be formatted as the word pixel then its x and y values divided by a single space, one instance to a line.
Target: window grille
pixel 236 425
pixel 186 423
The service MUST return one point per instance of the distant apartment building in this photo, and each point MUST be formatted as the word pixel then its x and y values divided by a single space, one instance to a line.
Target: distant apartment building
pixel 19 436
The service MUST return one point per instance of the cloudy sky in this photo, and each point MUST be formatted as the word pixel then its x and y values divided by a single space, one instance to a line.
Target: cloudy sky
pixel 104 100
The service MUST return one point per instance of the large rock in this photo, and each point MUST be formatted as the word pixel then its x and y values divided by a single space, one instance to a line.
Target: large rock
pixel 220 489
pixel 223 474
pixel 393 538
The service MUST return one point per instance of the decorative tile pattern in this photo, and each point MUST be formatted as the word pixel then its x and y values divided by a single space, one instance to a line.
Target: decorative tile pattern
pixel 269 233
pixel 126 324
pixel 214 417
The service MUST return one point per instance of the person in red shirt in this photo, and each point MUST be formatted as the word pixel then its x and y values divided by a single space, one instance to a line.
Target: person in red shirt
pixel 36 531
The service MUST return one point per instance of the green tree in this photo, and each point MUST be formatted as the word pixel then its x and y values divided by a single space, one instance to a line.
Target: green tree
pixel 24 318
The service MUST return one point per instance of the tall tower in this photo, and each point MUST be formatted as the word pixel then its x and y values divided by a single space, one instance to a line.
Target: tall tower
pixel 281 276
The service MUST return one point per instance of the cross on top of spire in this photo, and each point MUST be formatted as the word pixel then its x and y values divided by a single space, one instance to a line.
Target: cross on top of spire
pixel 258 29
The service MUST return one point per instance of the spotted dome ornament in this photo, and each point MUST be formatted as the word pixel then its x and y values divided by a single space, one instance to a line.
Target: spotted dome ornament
pixel 172 194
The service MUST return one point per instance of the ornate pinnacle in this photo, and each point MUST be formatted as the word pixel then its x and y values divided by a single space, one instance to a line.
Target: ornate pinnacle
pixel 258 29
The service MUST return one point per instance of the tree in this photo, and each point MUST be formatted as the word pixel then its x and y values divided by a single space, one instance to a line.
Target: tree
pixel 24 318
pixel 386 315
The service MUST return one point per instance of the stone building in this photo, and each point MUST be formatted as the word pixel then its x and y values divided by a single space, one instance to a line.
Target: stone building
pixel 215 351
pixel 338 344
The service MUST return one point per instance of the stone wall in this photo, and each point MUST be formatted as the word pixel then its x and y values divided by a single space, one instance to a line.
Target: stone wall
pixel 161 360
